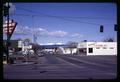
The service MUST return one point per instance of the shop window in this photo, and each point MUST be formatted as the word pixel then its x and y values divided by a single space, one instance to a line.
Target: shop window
pixel 104 48
pixel 111 48
pixel 97 47
pixel 90 50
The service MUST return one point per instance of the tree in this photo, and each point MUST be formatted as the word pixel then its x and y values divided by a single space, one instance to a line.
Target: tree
pixel 26 41
pixel 110 39
pixel 84 41
pixel 19 39
pixel 36 47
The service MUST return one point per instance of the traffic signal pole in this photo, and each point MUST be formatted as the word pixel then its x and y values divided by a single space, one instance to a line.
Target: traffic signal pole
pixel 8 24
pixel 8 38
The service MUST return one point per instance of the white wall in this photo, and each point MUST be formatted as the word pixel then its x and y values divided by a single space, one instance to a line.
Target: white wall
pixel 74 50
pixel 20 44
pixel 67 51
pixel 101 46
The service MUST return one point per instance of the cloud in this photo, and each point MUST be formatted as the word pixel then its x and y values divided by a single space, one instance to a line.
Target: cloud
pixel 59 43
pixel 41 29
pixel 45 32
pixel 24 30
pixel 27 30
pixel 77 35
pixel 58 33
pixel 49 43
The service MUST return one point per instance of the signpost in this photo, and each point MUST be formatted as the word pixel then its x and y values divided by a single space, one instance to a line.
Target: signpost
pixel 11 26
pixel 8 28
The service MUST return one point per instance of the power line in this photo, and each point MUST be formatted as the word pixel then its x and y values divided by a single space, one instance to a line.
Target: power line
pixel 55 17
pixel 58 17
pixel 62 19
pixel 102 18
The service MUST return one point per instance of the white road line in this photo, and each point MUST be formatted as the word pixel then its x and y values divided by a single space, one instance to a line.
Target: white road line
pixel 88 62
pixel 68 63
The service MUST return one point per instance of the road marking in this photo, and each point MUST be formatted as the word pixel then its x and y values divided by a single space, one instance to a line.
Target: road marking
pixel 65 61
pixel 91 63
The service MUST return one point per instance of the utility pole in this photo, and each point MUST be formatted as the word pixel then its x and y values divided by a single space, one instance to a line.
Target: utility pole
pixel 35 38
pixel 35 46
pixel 33 27
pixel 8 37
pixel 34 35
pixel 9 26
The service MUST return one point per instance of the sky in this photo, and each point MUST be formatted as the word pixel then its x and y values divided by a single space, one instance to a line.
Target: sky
pixel 63 22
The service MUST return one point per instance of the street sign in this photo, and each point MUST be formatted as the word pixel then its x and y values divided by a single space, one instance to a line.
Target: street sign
pixel 11 26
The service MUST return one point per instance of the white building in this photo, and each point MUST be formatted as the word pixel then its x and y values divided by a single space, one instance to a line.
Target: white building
pixel 68 50
pixel 24 47
pixel 99 48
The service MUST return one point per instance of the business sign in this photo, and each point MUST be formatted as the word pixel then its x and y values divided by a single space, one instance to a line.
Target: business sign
pixel 98 45
pixel 11 26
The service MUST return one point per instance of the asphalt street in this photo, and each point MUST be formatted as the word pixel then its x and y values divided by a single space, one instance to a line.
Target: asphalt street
pixel 64 67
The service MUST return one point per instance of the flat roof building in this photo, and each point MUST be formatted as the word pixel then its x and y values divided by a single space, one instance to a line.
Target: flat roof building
pixel 99 48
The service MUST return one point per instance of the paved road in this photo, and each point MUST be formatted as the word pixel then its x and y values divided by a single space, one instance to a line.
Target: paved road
pixel 65 67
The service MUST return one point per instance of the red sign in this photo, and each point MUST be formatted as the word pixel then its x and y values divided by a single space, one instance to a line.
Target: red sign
pixel 11 26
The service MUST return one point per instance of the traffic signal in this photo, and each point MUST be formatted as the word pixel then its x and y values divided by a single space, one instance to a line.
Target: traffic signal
pixel 115 27
pixel 101 28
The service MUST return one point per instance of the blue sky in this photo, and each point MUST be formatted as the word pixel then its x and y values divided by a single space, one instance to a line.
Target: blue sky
pixel 63 22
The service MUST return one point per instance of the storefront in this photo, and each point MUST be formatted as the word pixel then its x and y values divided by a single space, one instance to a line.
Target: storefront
pixel 99 48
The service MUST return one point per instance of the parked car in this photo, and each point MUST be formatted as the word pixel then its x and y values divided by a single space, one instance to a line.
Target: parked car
pixel 19 53
pixel 40 53
pixel 51 52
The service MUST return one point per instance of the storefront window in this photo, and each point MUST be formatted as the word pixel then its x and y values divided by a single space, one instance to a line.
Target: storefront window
pixel 97 47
